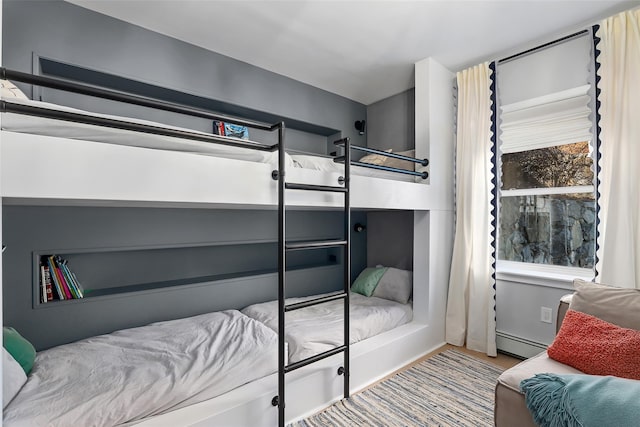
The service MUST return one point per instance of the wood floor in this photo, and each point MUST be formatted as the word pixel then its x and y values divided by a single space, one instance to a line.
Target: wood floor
pixel 502 360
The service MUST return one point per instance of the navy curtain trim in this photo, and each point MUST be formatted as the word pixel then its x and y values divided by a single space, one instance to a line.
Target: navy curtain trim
pixel 494 179
pixel 596 54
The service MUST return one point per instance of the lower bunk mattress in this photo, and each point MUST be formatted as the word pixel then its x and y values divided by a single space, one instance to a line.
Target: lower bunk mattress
pixel 132 374
pixel 319 328
pixel 122 378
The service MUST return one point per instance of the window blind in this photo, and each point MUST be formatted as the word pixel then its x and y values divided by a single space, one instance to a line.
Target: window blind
pixel 546 121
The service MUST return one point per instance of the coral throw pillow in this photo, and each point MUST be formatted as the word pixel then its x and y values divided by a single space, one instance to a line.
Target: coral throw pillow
pixel 597 347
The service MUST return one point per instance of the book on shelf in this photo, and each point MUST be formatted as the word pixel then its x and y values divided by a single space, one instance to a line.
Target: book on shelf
pixel 71 280
pixel 63 284
pixel 231 130
pixel 60 276
pixel 46 293
pixel 54 279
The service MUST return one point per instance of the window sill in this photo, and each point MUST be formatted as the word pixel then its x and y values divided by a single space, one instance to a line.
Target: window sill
pixel 541 275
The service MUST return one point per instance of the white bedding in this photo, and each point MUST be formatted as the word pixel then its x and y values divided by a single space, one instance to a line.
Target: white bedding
pixel 64 129
pixel 327 164
pixel 136 373
pixel 319 328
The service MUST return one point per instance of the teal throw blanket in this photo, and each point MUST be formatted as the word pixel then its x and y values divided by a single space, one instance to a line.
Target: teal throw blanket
pixel 582 400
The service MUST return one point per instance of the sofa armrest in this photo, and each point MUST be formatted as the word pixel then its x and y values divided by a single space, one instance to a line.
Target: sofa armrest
pixel 562 310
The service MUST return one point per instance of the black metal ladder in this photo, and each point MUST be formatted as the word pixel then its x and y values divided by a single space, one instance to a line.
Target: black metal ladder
pixel 284 247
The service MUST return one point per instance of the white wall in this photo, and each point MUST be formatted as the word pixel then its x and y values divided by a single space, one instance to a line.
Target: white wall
pixel 519 328
pixel 433 238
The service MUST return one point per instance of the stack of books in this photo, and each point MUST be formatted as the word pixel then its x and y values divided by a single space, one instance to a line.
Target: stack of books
pixel 57 281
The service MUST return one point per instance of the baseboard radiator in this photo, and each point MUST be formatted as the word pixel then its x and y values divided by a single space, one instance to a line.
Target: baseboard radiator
pixel 517 346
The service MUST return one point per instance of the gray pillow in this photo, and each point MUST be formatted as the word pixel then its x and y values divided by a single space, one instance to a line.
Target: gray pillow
pixel 375 159
pixel 620 306
pixel 401 164
pixel 395 285
pixel 9 90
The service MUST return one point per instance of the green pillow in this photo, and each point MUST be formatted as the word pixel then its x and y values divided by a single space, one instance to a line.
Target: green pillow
pixel 367 281
pixel 18 347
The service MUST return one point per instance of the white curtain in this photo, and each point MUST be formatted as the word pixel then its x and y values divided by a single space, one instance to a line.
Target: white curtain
pixel 470 305
pixel 619 253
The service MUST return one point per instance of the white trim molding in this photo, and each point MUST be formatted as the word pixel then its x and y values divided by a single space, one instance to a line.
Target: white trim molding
pixel 551 276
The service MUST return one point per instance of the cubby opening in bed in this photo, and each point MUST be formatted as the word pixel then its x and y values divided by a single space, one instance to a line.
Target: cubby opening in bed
pixel 224 262
pixel 68 100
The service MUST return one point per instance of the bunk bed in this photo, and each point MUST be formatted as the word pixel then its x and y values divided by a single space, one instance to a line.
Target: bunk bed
pixel 182 160
pixel 61 133
pixel 43 118
pixel 46 124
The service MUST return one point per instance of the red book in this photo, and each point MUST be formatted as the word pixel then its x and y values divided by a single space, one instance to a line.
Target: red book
pixel 61 281
pixel 68 279
pixel 65 286
pixel 54 278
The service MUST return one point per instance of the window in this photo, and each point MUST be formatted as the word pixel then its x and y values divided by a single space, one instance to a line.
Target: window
pixel 547 206
pixel 547 210
pixel 546 201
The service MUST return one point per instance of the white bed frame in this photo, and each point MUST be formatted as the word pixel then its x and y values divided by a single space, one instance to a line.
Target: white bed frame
pixel 100 174
pixel 172 179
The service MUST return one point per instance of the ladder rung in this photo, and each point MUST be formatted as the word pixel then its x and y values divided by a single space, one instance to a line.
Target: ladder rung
pixel 315 301
pixel 313 359
pixel 294 186
pixel 314 244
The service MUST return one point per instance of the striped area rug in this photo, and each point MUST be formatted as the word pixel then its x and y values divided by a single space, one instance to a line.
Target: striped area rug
pixel 448 389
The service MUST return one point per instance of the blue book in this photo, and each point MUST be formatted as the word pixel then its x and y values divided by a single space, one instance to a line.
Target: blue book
pixel 231 130
pixel 236 131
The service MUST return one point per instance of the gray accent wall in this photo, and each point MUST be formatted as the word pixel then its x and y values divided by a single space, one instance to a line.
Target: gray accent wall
pixel 391 122
pixel 142 265
pixel 69 34
pixel 151 264
pixel 390 239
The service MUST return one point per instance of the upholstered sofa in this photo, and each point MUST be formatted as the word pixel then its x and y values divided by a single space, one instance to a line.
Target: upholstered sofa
pixel 615 305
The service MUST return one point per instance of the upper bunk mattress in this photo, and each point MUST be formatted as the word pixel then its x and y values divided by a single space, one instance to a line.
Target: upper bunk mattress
pixel 136 373
pixel 319 328
pixel 66 129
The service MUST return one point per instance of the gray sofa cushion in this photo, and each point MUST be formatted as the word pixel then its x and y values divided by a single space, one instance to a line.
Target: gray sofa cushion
pixel 510 408
pixel 538 364
pixel 619 306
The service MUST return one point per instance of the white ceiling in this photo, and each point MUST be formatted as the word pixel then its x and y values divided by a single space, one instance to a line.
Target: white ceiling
pixel 363 50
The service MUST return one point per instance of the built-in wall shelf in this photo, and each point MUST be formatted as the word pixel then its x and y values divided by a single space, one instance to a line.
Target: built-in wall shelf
pixel 122 272
pixel 142 288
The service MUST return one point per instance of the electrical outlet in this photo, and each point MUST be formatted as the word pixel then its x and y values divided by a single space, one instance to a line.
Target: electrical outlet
pixel 545 315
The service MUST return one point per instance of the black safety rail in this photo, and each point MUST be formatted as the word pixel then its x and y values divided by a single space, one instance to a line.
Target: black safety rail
pixel 422 162
pixel 310 187
pixel 314 244
pixel 315 301
pixel 61 84
pixel 283 248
